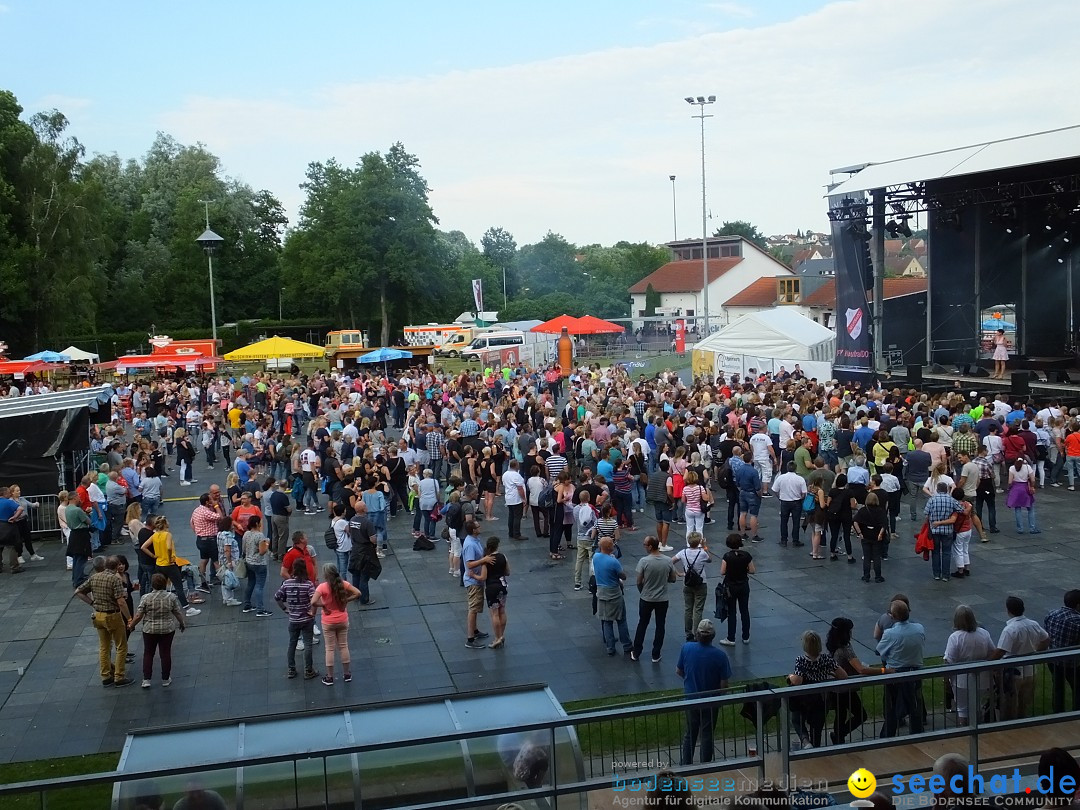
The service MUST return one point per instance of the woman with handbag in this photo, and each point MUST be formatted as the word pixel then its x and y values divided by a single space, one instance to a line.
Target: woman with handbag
pixel 694 498
pixel 1022 494
pixel 736 566
pixel 230 562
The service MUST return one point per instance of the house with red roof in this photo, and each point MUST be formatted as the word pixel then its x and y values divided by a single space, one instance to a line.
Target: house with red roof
pixel 733 264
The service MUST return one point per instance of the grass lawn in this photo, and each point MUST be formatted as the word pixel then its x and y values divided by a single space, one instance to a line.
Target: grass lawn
pixel 60 799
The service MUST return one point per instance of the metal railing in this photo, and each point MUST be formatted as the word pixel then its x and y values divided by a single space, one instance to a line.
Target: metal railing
pixel 44 521
pixel 625 744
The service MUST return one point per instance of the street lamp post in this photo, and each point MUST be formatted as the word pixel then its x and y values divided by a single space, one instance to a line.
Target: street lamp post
pixel 210 242
pixel 700 103
pixel 674 215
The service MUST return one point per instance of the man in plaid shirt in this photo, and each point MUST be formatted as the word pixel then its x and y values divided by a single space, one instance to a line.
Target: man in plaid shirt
pixel 964 441
pixel 436 443
pixel 104 591
pixel 1063 627
pixel 941 511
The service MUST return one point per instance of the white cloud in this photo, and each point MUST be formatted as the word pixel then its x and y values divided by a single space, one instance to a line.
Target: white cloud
pixel 4 9
pixel 584 145
pixel 736 10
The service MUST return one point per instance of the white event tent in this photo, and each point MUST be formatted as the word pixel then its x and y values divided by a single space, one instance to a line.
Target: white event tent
pixel 764 341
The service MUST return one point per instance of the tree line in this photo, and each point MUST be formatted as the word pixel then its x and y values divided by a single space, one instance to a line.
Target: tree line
pixel 97 245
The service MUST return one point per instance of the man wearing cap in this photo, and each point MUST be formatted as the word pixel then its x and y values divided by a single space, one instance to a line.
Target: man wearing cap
pixel 704 669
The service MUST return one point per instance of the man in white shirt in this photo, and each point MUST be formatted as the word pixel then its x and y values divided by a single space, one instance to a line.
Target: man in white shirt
pixel 1051 411
pixel 790 488
pixel 1020 636
pixel 309 468
pixel 764 458
pixel 514 493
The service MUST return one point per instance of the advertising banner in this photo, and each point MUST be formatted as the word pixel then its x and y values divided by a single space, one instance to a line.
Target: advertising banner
pixel 680 336
pixel 478 294
pixel 854 342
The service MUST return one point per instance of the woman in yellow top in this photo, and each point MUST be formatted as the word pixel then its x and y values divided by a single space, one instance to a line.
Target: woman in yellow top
pixel 160 546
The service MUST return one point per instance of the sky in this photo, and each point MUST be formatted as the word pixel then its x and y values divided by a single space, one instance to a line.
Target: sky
pixel 554 116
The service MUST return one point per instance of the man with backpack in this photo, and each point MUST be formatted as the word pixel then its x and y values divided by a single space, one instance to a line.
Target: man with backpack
pixel 690 565
pixel 659 492
pixel 584 529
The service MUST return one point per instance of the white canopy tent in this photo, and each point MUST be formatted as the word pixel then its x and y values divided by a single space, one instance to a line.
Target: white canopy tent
pixel 77 355
pixel 764 341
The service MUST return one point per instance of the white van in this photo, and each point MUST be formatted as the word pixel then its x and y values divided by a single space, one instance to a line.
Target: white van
pixel 492 341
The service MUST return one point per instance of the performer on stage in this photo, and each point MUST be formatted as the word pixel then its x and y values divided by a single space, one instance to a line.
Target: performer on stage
pixel 1001 354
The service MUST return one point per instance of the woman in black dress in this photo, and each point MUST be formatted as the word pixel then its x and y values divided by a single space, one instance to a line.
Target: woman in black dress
pixel 872 526
pixel 496 570
pixel 736 566
pixel 487 483
pixel 839 510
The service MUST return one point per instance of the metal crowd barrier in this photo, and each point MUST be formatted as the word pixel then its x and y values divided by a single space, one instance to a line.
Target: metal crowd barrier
pixel 43 519
pixel 623 746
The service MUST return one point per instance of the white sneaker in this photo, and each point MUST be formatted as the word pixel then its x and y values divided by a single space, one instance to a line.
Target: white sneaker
pixel 167 682
pixel 146 684
pixel 300 645
pixel 22 561
pixel 233 603
pixel 316 630
pixel 192 611
pixel 185 483
pixel 37 558
pixel 666 548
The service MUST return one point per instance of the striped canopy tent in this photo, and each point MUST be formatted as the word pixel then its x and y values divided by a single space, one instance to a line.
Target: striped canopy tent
pixel 276 348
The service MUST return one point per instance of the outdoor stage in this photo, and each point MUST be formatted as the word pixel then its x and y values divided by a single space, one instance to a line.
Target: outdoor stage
pixel 1001 226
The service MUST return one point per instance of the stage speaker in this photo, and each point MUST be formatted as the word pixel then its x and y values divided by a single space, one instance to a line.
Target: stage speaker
pixel 978 371
pixel 937 368
pixel 103 414
pixel 1021 382
pixel 914 375
pixel 1059 376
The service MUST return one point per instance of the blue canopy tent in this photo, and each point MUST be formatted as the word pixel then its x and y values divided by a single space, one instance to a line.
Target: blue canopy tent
pixel 384 356
pixel 992 325
pixel 49 357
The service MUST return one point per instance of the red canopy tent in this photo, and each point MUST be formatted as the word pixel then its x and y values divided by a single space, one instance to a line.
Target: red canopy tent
pixel 591 325
pixel 556 325
pixel 189 361
pixel 23 367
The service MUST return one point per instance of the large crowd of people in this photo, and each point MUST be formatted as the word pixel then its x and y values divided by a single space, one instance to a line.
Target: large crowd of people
pixel 588 459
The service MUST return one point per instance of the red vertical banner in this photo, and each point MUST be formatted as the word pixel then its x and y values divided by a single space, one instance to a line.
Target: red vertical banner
pixel 680 336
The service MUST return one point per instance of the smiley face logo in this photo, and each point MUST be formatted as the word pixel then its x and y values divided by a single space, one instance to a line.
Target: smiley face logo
pixel 862 783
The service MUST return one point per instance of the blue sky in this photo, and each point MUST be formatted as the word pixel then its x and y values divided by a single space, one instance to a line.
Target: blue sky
pixel 555 115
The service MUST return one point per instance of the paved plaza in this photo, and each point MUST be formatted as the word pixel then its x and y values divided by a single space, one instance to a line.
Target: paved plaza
pixel 411 642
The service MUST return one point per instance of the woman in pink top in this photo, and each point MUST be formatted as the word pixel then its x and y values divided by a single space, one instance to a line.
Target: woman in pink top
pixel 333 596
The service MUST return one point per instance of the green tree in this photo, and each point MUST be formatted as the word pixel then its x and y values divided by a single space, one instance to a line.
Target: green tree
pixel 366 232
pixel 500 250
pixel 652 301
pixel 744 229
pixel 548 266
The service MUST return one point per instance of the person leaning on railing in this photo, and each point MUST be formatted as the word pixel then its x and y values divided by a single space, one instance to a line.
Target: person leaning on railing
pixel 901 650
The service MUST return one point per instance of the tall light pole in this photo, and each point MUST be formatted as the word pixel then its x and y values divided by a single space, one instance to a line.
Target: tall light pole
pixel 700 103
pixel 210 242
pixel 280 317
pixel 674 216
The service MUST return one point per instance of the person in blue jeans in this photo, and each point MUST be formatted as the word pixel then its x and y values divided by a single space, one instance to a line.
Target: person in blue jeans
pixel 610 604
pixel 256 558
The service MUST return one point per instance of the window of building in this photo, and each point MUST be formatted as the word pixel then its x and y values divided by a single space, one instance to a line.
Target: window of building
pixel 689 313
pixel 789 292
